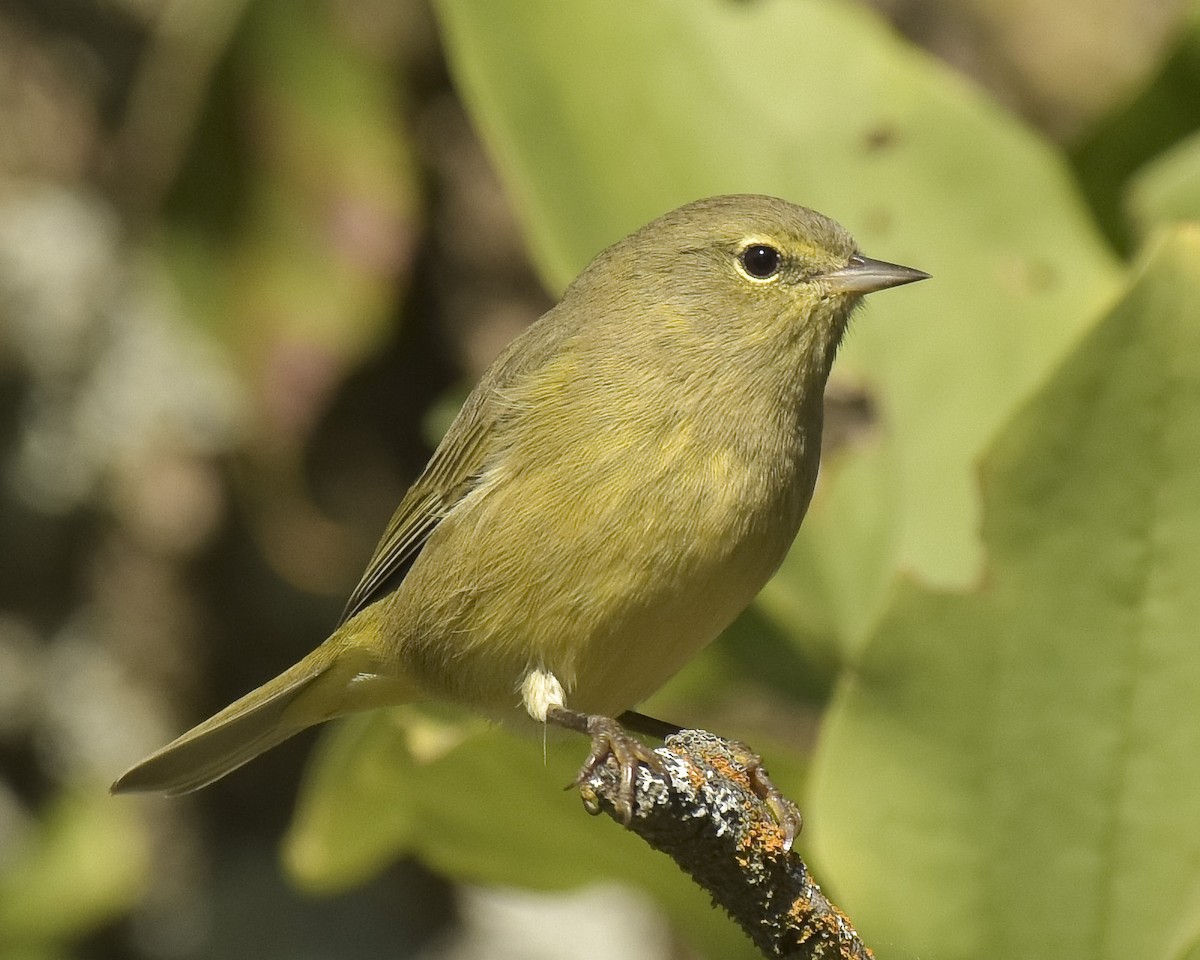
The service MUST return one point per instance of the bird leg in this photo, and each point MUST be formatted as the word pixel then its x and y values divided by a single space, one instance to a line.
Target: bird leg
pixel 609 741
pixel 651 726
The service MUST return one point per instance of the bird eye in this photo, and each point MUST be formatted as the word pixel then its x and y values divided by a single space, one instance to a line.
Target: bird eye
pixel 760 261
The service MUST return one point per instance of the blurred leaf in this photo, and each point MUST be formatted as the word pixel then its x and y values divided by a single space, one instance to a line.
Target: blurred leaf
pixel 596 130
pixel 1013 773
pixel 1065 62
pixel 839 568
pixel 86 867
pixel 1161 114
pixel 301 283
pixel 1187 947
pixel 1189 952
pixel 1168 189
pixel 298 269
pixel 487 807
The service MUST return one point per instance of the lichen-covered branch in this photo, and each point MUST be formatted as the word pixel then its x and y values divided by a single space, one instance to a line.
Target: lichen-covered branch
pixel 706 810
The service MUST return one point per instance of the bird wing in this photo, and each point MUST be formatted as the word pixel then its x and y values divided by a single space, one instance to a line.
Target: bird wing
pixel 449 476
pixel 456 465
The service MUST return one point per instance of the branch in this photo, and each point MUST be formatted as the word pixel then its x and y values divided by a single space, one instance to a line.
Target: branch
pixel 704 811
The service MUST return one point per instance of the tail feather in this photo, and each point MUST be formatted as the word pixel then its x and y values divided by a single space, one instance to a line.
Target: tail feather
pixel 239 733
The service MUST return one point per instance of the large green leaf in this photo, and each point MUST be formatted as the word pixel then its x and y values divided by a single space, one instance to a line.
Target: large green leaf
pixel 1013 772
pixel 603 113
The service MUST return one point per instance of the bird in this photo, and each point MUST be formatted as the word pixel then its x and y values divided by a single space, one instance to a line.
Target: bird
pixel 617 488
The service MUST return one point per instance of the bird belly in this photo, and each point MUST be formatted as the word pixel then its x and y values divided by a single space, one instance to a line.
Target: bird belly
pixel 624 658
pixel 609 589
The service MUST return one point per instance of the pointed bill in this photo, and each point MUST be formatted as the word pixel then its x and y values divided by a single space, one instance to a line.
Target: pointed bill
pixel 864 275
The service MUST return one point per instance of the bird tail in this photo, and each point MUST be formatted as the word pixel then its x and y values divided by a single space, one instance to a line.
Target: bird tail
pixel 321 686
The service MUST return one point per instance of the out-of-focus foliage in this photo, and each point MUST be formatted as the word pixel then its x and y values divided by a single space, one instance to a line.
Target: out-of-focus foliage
pixel 208 217
pixel 401 782
pixel 1062 65
pixel 1169 188
pixel 85 865
pixel 1135 132
pixel 298 279
pixel 251 250
pixel 1035 740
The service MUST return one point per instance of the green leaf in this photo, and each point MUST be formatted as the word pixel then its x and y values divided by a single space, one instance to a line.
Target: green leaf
pixel 486 806
pixel 603 113
pixel 1189 952
pixel 86 866
pixel 1013 772
pixel 1060 63
pixel 299 277
pixel 1168 189
pixel 1139 130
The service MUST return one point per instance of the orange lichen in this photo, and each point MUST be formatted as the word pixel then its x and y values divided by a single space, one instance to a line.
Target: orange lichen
pixel 828 924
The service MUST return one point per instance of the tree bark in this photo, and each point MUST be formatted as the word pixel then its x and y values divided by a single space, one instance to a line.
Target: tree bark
pixel 707 810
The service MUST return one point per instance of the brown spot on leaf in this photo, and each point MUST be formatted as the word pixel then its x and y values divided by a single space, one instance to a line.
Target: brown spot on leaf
pixel 882 136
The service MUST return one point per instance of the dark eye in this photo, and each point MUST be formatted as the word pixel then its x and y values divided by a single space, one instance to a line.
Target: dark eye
pixel 761 261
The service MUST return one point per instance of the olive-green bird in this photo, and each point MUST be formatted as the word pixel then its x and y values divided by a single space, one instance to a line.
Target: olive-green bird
pixel 617 488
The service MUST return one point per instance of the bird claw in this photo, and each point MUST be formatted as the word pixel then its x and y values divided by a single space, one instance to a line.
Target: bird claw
pixel 610 741
pixel 783 811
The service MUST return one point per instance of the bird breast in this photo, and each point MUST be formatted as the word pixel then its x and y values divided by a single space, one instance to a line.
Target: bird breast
pixel 604 555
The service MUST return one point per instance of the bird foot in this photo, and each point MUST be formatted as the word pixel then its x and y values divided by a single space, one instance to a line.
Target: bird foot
pixel 784 812
pixel 610 741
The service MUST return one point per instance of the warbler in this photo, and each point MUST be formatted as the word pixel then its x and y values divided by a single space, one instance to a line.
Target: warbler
pixel 616 489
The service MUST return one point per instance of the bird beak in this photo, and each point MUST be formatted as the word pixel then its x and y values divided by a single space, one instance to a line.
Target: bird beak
pixel 864 275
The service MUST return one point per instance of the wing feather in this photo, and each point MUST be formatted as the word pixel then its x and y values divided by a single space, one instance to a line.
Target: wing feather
pixel 458 462
pixel 449 476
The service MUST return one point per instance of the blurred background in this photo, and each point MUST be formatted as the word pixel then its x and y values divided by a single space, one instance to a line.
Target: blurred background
pixel 253 253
